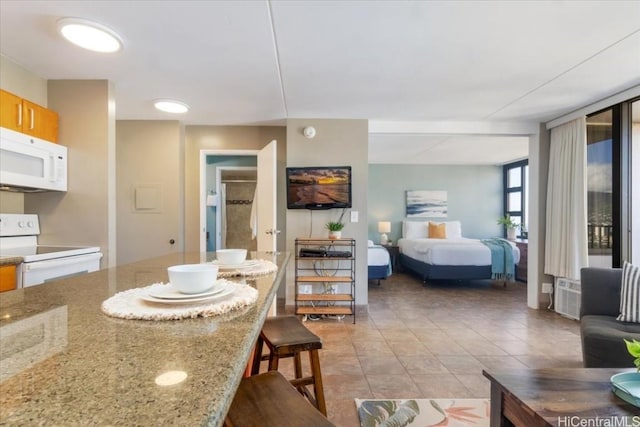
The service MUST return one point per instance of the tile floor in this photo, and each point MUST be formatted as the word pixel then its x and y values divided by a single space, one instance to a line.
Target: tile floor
pixel 434 341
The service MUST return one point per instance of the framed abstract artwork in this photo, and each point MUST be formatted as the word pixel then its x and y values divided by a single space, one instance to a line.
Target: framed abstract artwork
pixel 426 204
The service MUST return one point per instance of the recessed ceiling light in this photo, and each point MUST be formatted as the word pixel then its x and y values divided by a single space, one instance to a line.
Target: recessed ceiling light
pixel 171 106
pixel 89 35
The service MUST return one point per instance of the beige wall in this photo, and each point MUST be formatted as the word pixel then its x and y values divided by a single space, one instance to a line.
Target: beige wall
pixel 11 202
pixel 81 215
pixel 226 138
pixel 21 82
pixel 539 146
pixel 339 143
pixel 148 157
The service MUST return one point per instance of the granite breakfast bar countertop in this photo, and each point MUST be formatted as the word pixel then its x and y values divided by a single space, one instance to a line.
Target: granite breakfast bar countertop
pixel 64 362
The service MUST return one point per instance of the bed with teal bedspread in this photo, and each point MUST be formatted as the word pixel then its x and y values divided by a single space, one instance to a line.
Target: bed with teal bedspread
pixel 459 258
pixel 502 263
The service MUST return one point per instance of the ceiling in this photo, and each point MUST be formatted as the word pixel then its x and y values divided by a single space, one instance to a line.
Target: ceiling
pixel 261 62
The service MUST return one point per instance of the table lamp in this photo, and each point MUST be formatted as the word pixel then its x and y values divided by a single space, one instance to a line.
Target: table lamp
pixel 384 227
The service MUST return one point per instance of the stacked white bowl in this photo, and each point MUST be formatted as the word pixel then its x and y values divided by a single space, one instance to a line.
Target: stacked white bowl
pixel 231 256
pixel 193 278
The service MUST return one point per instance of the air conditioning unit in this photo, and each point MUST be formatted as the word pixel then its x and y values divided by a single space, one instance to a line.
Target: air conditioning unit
pixel 567 297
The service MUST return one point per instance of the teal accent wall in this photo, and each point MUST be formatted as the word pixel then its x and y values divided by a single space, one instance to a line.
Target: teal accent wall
pixel 214 162
pixel 474 195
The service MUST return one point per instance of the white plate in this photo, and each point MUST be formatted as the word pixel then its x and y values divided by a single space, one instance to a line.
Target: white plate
pixel 209 298
pixel 250 263
pixel 169 292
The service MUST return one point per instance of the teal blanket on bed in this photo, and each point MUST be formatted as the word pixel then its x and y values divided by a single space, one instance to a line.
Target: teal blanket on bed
pixel 502 267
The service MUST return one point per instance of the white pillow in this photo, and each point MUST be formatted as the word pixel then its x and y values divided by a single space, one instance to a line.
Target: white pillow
pixel 369 243
pixel 453 229
pixel 630 294
pixel 415 229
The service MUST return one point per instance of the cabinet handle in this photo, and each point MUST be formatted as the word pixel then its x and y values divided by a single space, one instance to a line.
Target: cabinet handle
pixel 32 116
pixel 20 115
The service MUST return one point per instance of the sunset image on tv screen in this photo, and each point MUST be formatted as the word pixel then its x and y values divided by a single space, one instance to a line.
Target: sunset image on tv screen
pixel 319 186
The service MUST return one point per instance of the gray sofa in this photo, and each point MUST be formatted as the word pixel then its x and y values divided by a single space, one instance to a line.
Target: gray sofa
pixel 602 335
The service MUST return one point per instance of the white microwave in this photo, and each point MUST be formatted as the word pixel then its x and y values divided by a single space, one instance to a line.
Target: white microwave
pixel 29 164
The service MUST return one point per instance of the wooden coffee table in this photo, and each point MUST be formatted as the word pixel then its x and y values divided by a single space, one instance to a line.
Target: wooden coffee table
pixel 557 397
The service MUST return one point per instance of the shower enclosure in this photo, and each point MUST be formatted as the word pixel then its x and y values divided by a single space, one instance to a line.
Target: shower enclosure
pixel 236 216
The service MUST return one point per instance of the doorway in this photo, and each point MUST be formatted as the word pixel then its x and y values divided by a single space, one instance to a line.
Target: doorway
pixel 264 162
pixel 213 164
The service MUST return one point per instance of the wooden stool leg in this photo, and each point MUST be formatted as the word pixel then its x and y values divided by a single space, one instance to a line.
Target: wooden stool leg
pixel 318 389
pixel 273 361
pixel 298 365
pixel 257 356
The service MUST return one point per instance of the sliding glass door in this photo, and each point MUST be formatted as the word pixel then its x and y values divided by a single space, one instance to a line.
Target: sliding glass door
pixel 600 184
pixel 634 223
pixel 613 185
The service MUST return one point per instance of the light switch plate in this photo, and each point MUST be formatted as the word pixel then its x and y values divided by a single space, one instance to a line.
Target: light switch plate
pixel 354 216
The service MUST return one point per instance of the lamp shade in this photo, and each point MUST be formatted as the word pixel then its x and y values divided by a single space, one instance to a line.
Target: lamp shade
pixel 384 227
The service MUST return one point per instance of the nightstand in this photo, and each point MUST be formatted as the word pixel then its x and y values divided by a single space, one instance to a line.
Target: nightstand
pixel 521 272
pixel 394 253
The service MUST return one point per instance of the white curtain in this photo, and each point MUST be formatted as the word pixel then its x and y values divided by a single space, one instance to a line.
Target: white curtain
pixel 566 238
pixel 223 216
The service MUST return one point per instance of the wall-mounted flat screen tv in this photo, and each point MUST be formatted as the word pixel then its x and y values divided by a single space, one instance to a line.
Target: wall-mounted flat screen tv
pixel 319 187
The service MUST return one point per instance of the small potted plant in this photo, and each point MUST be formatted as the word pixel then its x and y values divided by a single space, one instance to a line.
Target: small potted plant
pixel 633 347
pixel 510 225
pixel 335 229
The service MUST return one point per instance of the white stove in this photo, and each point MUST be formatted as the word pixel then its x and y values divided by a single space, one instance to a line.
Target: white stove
pixel 18 238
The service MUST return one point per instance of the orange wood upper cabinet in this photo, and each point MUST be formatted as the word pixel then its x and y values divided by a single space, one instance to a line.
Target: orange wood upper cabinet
pixel 39 121
pixel 27 117
pixel 7 278
pixel 10 111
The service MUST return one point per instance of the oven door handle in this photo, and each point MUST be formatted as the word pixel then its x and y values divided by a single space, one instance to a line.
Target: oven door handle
pixel 59 262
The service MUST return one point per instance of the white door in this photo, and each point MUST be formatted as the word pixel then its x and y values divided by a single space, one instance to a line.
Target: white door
pixel 266 193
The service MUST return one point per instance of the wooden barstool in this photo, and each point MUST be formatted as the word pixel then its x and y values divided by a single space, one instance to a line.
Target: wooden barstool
pixel 269 400
pixel 286 336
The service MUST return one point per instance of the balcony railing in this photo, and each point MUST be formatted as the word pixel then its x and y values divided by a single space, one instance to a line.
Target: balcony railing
pixel 600 238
